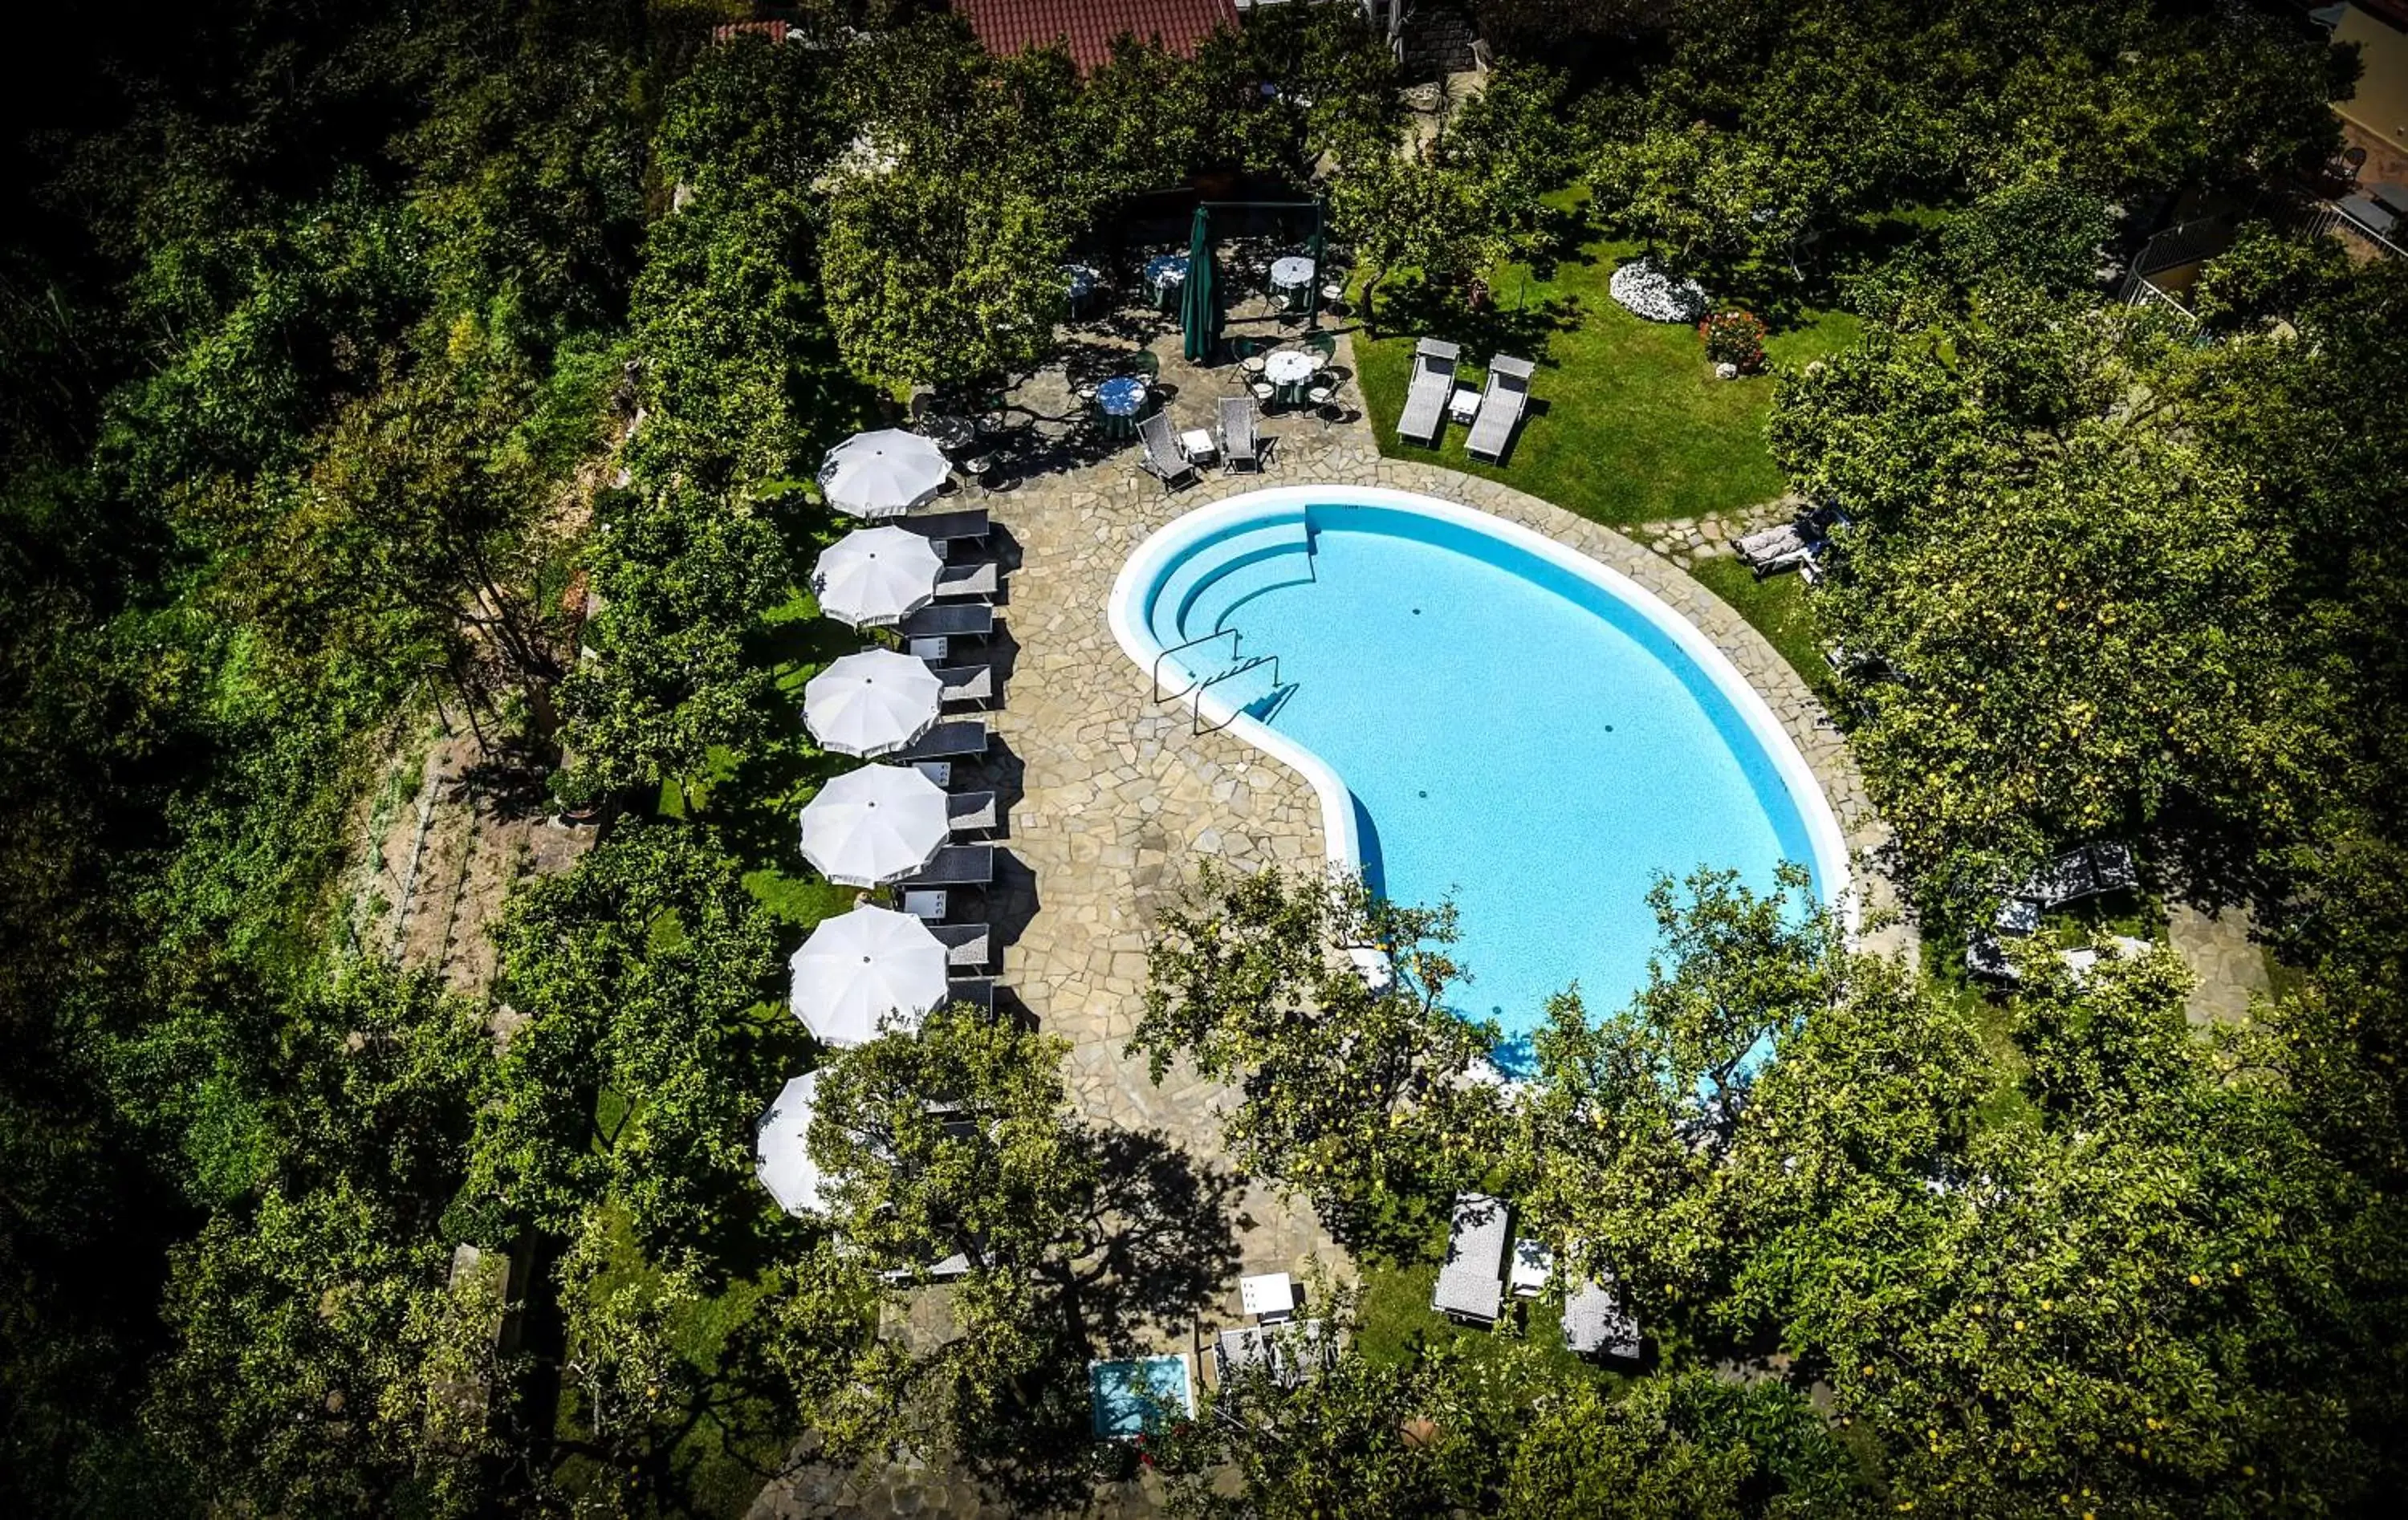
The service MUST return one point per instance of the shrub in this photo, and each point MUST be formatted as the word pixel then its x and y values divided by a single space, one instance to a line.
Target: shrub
pixel 1734 337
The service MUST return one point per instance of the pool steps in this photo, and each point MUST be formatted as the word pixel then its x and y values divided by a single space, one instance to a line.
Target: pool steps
pixel 1212 582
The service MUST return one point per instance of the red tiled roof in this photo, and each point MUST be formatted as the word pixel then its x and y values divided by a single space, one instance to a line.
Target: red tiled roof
pixel 730 31
pixel 1089 27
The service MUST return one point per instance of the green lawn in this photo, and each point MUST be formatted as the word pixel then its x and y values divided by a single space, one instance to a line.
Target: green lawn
pixel 1776 608
pixel 1626 422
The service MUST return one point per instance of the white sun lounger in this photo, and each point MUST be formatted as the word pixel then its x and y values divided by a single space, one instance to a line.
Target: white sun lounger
pixel 1425 396
pixel 1500 407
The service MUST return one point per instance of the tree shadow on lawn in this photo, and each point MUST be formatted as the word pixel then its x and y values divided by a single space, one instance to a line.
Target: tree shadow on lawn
pixel 1524 330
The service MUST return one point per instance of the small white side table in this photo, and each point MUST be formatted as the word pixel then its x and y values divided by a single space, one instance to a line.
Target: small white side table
pixel 1270 1296
pixel 1463 404
pixel 1196 445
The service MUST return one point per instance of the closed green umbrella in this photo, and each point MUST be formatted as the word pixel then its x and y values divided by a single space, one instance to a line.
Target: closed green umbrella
pixel 1200 311
pixel 1314 251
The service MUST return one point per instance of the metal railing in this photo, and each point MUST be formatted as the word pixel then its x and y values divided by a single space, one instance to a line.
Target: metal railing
pixel 1205 639
pixel 1195 723
pixel 2330 218
pixel 2139 291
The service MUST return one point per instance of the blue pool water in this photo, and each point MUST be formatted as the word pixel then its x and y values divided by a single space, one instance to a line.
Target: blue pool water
pixel 1133 1397
pixel 1515 735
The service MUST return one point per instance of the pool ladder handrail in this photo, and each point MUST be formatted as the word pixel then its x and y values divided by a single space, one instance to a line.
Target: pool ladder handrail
pixel 1196 720
pixel 1235 643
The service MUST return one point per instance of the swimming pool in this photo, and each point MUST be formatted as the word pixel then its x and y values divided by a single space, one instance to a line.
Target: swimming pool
pixel 1486 715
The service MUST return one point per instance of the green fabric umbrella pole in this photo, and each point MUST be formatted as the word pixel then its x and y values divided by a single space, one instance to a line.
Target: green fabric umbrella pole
pixel 1199 313
pixel 1314 249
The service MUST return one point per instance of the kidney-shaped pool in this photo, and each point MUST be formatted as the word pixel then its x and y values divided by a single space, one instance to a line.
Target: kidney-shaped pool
pixel 1486 715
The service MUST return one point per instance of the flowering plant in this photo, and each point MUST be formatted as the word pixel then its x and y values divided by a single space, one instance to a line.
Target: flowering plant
pixel 1647 290
pixel 1734 337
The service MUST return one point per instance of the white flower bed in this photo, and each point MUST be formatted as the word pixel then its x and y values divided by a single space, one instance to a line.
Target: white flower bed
pixel 1650 293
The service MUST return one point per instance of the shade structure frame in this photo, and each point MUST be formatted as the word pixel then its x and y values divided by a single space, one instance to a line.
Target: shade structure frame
pixel 882 473
pixel 876 577
pixel 864 972
pixel 872 703
pixel 781 1148
pixel 875 824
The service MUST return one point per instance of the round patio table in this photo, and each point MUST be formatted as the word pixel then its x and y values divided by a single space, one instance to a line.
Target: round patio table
pixel 1288 370
pixel 1164 273
pixel 1118 401
pixel 1292 277
pixel 946 432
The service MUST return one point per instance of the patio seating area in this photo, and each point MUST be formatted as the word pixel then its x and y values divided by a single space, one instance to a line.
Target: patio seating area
pixel 1120 383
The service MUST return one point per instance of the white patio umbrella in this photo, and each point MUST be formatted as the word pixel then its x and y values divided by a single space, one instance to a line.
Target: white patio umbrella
pixel 868 703
pixel 864 967
pixel 883 474
pixel 875 576
pixel 869 826
pixel 783 1147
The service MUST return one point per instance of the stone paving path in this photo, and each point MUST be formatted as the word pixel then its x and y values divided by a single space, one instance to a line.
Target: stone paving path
pixel 2230 965
pixel 1692 540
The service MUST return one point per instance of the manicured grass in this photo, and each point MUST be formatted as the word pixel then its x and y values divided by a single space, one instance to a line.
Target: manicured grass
pixel 1626 423
pixel 1776 608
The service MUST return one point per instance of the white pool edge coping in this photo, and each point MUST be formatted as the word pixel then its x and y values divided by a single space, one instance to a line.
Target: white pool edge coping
pixel 1341 844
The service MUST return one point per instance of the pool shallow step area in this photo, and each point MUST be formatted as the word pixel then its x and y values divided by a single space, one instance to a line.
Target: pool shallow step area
pixel 1190 616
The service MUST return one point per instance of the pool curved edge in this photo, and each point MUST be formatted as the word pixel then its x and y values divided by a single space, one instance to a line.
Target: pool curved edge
pixel 1342 845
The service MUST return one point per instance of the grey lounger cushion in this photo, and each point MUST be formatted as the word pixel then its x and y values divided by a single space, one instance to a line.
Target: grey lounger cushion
pixel 946 741
pixel 955 864
pixel 967 945
pixel 979 578
pixel 1472 1284
pixel 950 619
pixel 967 682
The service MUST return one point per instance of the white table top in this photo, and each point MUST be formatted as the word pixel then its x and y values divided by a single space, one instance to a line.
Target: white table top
pixel 1196 441
pixel 1290 366
pixel 1270 1293
pixel 925 903
pixel 1465 402
pixel 1295 269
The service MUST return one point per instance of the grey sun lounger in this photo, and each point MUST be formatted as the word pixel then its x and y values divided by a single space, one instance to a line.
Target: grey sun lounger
pixel 2088 870
pixel 1472 1284
pixel 979 578
pixel 948 620
pixel 971 812
pixel 1161 457
pixel 967 682
pixel 955 865
pixel 1783 547
pixel 969 525
pixel 1500 407
pixel 1235 433
pixel 1425 397
pixel 1596 1324
pixel 946 741
pixel 967 945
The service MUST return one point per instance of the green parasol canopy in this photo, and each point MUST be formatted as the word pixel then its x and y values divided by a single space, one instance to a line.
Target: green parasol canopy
pixel 1199 309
